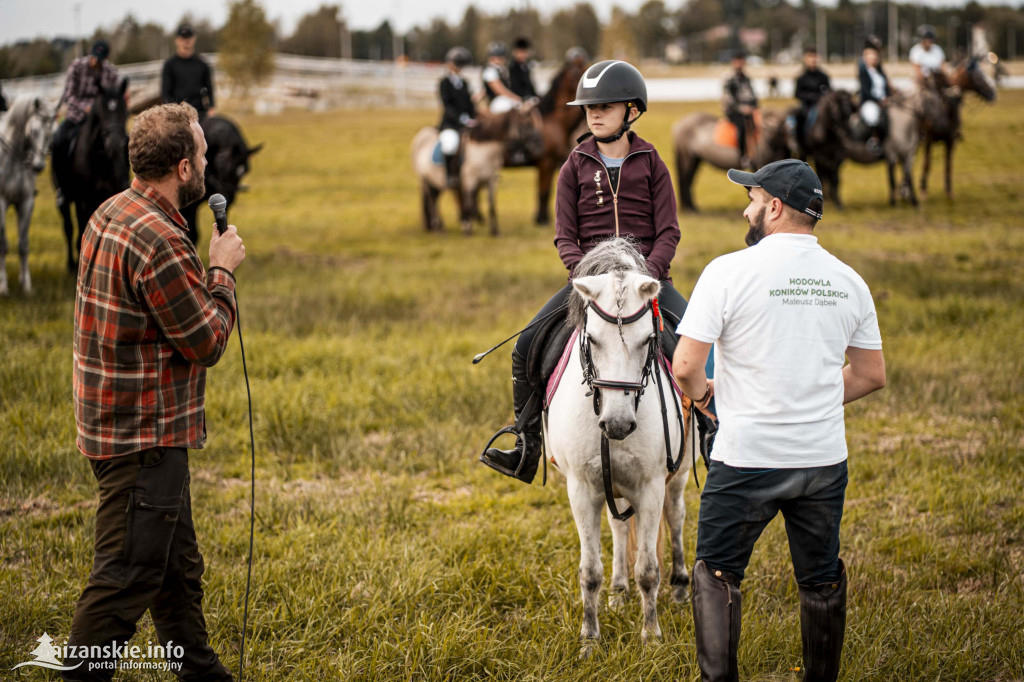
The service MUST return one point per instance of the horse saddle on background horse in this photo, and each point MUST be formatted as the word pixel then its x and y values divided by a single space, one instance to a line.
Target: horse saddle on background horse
pixel 726 135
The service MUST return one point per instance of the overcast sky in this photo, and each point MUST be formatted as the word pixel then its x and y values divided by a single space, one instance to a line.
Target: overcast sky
pixel 25 19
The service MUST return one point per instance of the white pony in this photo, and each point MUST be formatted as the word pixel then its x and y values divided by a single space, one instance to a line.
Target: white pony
pixel 25 133
pixel 596 406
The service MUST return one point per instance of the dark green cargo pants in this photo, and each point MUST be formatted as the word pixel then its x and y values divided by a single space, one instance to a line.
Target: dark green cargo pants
pixel 146 557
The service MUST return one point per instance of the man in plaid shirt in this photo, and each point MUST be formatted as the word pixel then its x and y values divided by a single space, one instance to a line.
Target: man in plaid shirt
pixel 148 322
pixel 85 78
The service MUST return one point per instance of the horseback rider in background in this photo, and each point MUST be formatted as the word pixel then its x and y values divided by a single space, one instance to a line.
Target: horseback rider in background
pixel 186 76
pixel 740 104
pixel 458 113
pixel 811 84
pixel 613 184
pixel 874 93
pixel 497 83
pixel 520 80
pixel 927 57
pixel 85 78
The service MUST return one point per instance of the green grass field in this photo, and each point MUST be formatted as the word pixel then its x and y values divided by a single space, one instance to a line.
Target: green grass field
pixel 385 552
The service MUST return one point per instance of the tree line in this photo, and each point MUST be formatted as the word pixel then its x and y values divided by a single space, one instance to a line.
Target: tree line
pixel 692 31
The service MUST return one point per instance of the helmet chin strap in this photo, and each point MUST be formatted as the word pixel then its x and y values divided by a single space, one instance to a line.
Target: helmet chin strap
pixel 623 129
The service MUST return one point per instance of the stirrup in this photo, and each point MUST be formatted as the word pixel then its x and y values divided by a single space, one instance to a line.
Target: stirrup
pixel 484 459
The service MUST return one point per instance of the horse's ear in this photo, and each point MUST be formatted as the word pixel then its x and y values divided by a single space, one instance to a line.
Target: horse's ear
pixel 588 287
pixel 647 287
pixel 255 149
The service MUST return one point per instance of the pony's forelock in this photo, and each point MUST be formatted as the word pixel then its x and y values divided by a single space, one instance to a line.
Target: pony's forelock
pixel 617 256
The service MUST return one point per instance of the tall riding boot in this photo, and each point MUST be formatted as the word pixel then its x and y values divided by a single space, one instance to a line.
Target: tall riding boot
pixel 520 462
pixel 822 627
pixel 716 623
pixel 451 167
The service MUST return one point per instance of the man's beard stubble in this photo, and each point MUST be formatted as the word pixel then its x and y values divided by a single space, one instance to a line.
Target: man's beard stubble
pixel 756 231
pixel 191 191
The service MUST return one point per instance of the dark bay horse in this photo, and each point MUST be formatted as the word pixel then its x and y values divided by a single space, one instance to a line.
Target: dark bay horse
pixel 941 122
pixel 227 162
pixel 99 164
pixel 559 126
pixel 825 139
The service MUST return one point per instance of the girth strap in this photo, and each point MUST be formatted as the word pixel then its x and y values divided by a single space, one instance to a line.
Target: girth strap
pixel 606 473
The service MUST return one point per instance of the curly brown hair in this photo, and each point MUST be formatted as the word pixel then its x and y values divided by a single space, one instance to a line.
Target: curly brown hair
pixel 161 137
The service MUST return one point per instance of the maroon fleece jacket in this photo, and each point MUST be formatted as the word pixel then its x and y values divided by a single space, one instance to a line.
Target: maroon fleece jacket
pixel 586 206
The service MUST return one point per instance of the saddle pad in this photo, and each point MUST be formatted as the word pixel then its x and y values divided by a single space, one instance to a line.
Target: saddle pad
pixel 725 134
pixel 437 157
pixel 563 362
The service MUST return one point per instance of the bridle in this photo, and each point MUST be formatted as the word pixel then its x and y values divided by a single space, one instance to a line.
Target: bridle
pixel 652 365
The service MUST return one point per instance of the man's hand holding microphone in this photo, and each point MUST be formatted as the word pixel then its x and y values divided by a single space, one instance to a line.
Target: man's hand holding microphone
pixel 226 248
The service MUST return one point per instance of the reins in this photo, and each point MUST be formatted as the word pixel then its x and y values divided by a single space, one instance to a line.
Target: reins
pixel 652 365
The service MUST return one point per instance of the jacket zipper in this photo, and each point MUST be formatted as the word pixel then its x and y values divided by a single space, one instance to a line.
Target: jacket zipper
pixel 615 190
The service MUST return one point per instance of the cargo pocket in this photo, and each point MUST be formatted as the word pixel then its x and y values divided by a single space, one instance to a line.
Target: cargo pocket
pixel 150 532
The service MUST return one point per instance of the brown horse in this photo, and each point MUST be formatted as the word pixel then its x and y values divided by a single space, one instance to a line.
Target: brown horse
pixel 825 139
pixel 559 127
pixel 942 120
pixel 694 138
pixel 483 152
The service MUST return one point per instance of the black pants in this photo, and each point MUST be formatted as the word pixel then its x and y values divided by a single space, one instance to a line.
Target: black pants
pixel 146 557
pixel 669 299
pixel 740 121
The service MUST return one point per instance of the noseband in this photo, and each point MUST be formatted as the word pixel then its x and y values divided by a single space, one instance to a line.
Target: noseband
pixel 651 366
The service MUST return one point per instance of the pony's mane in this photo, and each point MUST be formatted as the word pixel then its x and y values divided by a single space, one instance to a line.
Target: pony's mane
pixel 548 102
pixel 617 255
pixel 17 117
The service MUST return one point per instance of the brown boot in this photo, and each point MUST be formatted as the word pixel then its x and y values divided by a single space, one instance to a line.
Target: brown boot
pixel 716 623
pixel 822 627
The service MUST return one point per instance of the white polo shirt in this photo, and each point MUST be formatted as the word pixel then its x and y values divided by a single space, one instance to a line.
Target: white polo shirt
pixel 781 315
pixel 929 60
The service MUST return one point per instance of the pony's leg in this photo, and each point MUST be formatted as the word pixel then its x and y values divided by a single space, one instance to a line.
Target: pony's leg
pixel 586 510
pixel 468 207
pixel 83 213
pixel 687 167
pixel 926 167
pixel 4 290
pixel 24 219
pixel 69 235
pixel 544 176
pixel 675 515
pixel 908 178
pixel 949 166
pixel 646 570
pixel 492 207
pixel 892 182
pixel 427 201
pixel 619 594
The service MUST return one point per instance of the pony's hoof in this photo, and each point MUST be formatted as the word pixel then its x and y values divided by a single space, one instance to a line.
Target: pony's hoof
pixel 587 649
pixel 650 637
pixel 680 594
pixel 618 598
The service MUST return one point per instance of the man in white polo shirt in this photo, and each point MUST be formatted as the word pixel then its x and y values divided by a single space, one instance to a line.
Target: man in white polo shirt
pixel 783 315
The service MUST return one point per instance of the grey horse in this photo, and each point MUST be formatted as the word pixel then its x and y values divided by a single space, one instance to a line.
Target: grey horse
pixel 25 133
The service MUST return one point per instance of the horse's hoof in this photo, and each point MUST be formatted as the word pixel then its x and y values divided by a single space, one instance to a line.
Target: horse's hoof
pixel 587 649
pixel 680 594
pixel 618 598
pixel 649 637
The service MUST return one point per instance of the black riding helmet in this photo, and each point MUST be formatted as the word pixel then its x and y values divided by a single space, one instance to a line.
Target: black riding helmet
pixel 612 81
pixel 459 56
pixel 926 31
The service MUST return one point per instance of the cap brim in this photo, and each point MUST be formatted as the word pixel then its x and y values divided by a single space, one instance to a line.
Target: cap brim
pixel 742 178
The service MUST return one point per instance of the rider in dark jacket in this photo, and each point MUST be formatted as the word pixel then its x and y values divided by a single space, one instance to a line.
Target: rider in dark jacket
pixel 811 84
pixel 613 184
pixel 186 76
pixel 740 103
pixel 520 80
pixel 458 112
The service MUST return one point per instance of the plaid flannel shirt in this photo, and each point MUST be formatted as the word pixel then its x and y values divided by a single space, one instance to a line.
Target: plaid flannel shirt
pixel 148 321
pixel 83 84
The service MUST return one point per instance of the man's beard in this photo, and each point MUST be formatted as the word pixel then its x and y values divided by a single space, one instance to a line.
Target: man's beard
pixel 192 191
pixel 756 231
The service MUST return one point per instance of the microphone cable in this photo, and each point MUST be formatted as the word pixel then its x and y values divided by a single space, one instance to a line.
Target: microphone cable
pixel 252 489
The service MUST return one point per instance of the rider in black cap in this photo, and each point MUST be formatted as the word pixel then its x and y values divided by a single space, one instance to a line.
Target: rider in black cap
pixel 740 104
pixel 497 83
pixel 520 81
pixel 85 77
pixel 186 76
pixel 613 184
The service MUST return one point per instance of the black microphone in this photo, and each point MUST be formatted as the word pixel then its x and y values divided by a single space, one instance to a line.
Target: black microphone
pixel 219 206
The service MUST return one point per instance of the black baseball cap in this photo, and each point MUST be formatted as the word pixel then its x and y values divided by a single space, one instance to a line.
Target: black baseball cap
pixel 185 31
pixel 791 181
pixel 100 50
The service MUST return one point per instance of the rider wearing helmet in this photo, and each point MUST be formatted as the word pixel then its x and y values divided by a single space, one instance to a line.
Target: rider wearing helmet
pixel 458 113
pixel 613 184
pixel 740 104
pixel 497 83
pixel 874 93
pixel 927 57
pixel 520 78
